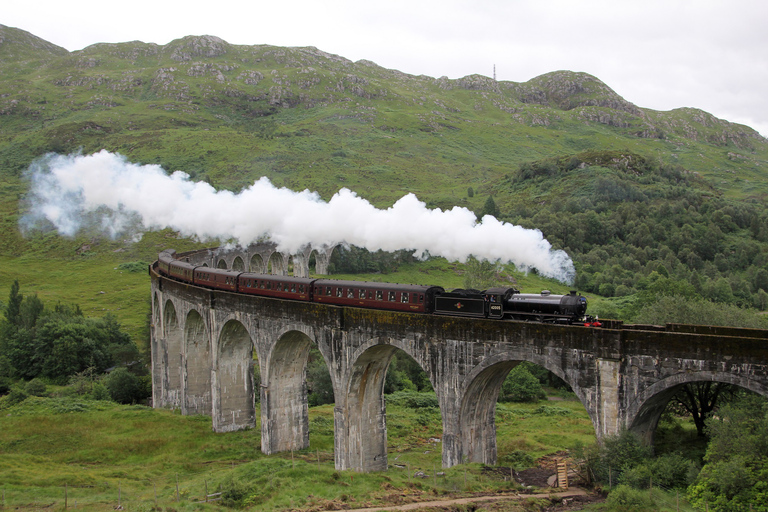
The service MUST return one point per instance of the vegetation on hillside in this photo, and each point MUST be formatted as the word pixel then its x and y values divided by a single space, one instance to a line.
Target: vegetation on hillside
pixel 664 214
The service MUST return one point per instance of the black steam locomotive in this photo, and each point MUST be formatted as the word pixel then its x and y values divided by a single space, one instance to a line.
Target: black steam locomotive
pixel 496 303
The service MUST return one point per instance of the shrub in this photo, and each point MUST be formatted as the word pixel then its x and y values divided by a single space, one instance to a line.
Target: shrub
pixel 517 459
pixel 413 399
pixel 125 387
pixel 100 392
pixel 629 500
pixel 521 386
pixel 35 387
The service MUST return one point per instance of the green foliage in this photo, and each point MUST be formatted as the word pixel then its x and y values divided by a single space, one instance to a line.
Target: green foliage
pixel 405 374
pixel 480 274
pixel 489 208
pixel 125 387
pixel 627 499
pixel 413 400
pixel 99 391
pixel 735 474
pixel 55 344
pixel 617 454
pixel 133 266
pixel 35 387
pixel 319 385
pixel 355 260
pixel 669 471
pixel 692 310
pixel 517 459
pixel 521 386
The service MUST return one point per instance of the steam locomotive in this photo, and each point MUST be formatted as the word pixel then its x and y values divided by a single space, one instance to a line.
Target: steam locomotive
pixel 495 303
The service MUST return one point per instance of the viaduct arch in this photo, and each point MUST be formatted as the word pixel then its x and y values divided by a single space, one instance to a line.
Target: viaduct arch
pixel 204 342
pixel 264 258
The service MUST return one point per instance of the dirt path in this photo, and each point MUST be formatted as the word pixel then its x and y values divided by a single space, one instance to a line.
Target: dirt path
pixel 573 491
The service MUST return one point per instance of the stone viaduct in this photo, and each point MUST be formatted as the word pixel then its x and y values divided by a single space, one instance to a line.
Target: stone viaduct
pixel 205 344
pixel 264 258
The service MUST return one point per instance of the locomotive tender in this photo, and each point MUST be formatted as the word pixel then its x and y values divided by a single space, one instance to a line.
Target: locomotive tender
pixel 495 303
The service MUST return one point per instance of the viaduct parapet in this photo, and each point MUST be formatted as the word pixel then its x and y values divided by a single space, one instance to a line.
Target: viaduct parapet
pixel 204 343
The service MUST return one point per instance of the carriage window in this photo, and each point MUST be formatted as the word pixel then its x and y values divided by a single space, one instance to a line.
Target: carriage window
pixel 379 295
pixel 293 288
pixel 404 297
pixel 261 284
pixel 328 291
pixel 362 294
pixel 421 298
pixel 301 288
pixel 391 296
pixel 269 285
pixel 339 292
pixel 350 293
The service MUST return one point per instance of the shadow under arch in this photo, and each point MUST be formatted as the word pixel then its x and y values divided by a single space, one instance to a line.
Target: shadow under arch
pixel 233 403
pixel 283 391
pixel 477 413
pixel 197 397
pixel 222 264
pixel 237 264
pixel 172 354
pixel 644 412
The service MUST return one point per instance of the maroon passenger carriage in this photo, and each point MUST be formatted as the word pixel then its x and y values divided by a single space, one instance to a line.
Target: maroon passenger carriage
pixel 362 294
pixel 219 278
pixel 281 287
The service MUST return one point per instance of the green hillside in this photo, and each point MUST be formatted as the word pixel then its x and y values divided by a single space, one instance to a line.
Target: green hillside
pixel 633 195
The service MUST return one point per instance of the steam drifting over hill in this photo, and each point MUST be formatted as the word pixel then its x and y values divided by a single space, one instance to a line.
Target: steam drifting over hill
pixel 106 191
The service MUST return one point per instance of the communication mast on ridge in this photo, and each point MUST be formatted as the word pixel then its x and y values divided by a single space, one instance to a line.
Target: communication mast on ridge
pixel 494 72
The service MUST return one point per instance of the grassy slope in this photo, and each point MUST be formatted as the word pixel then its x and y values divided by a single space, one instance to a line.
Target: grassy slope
pixel 45 447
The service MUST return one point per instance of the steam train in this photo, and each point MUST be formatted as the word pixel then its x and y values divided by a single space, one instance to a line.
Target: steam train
pixel 495 303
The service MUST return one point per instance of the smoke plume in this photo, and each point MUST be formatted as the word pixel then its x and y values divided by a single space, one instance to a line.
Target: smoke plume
pixel 121 198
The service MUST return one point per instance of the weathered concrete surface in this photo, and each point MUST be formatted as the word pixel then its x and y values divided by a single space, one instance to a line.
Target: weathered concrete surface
pixel 263 258
pixel 623 376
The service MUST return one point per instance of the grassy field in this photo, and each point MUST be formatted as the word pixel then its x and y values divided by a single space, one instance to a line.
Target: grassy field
pixel 101 455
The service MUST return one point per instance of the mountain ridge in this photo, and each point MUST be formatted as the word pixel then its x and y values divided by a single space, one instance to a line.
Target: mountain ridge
pixel 562 90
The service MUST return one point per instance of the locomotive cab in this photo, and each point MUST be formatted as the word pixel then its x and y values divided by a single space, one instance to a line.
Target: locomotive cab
pixel 496 298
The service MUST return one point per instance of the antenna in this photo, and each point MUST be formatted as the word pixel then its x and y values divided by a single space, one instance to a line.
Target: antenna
pixel 494 72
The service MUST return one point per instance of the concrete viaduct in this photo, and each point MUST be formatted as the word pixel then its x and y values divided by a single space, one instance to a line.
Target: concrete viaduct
pixel 204 343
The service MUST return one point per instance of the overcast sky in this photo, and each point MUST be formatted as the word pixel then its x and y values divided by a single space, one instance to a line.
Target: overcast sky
pixel 658 54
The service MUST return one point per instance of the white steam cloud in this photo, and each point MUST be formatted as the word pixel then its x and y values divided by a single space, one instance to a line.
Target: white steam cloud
pixel 119 197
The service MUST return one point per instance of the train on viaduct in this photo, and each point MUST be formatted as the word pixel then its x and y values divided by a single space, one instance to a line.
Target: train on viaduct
pixel 206 342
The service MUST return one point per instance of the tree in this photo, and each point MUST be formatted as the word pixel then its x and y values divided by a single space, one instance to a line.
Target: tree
pixel 700 399
pixel 521 386
pixel 489 208
pixel 479 274
pixel 13 308
pixel 735 474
